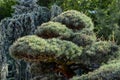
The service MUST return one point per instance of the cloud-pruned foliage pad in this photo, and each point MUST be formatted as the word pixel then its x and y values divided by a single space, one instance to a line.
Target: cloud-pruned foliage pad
pixel 53 30
pixel 74 20
pixel 36 48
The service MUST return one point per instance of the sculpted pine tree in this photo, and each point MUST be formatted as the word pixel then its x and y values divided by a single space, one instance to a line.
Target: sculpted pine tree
pixel 67 45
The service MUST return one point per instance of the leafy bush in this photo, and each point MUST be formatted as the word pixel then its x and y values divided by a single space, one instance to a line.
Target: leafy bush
pixel 100 52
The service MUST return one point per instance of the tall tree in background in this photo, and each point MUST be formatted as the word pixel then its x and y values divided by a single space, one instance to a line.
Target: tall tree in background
pixel 5 8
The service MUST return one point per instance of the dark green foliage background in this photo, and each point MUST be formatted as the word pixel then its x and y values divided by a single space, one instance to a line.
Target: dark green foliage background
pixel 5 8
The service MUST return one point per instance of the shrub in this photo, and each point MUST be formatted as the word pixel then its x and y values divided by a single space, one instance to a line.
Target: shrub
pixel 105 72
pixel 79 54
pixel 84 38
pixel 34 48
pixel 100 52
pixel 74 20
pixel 17 26
pixel 20 25
pixel 53 30
pixel 56 48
